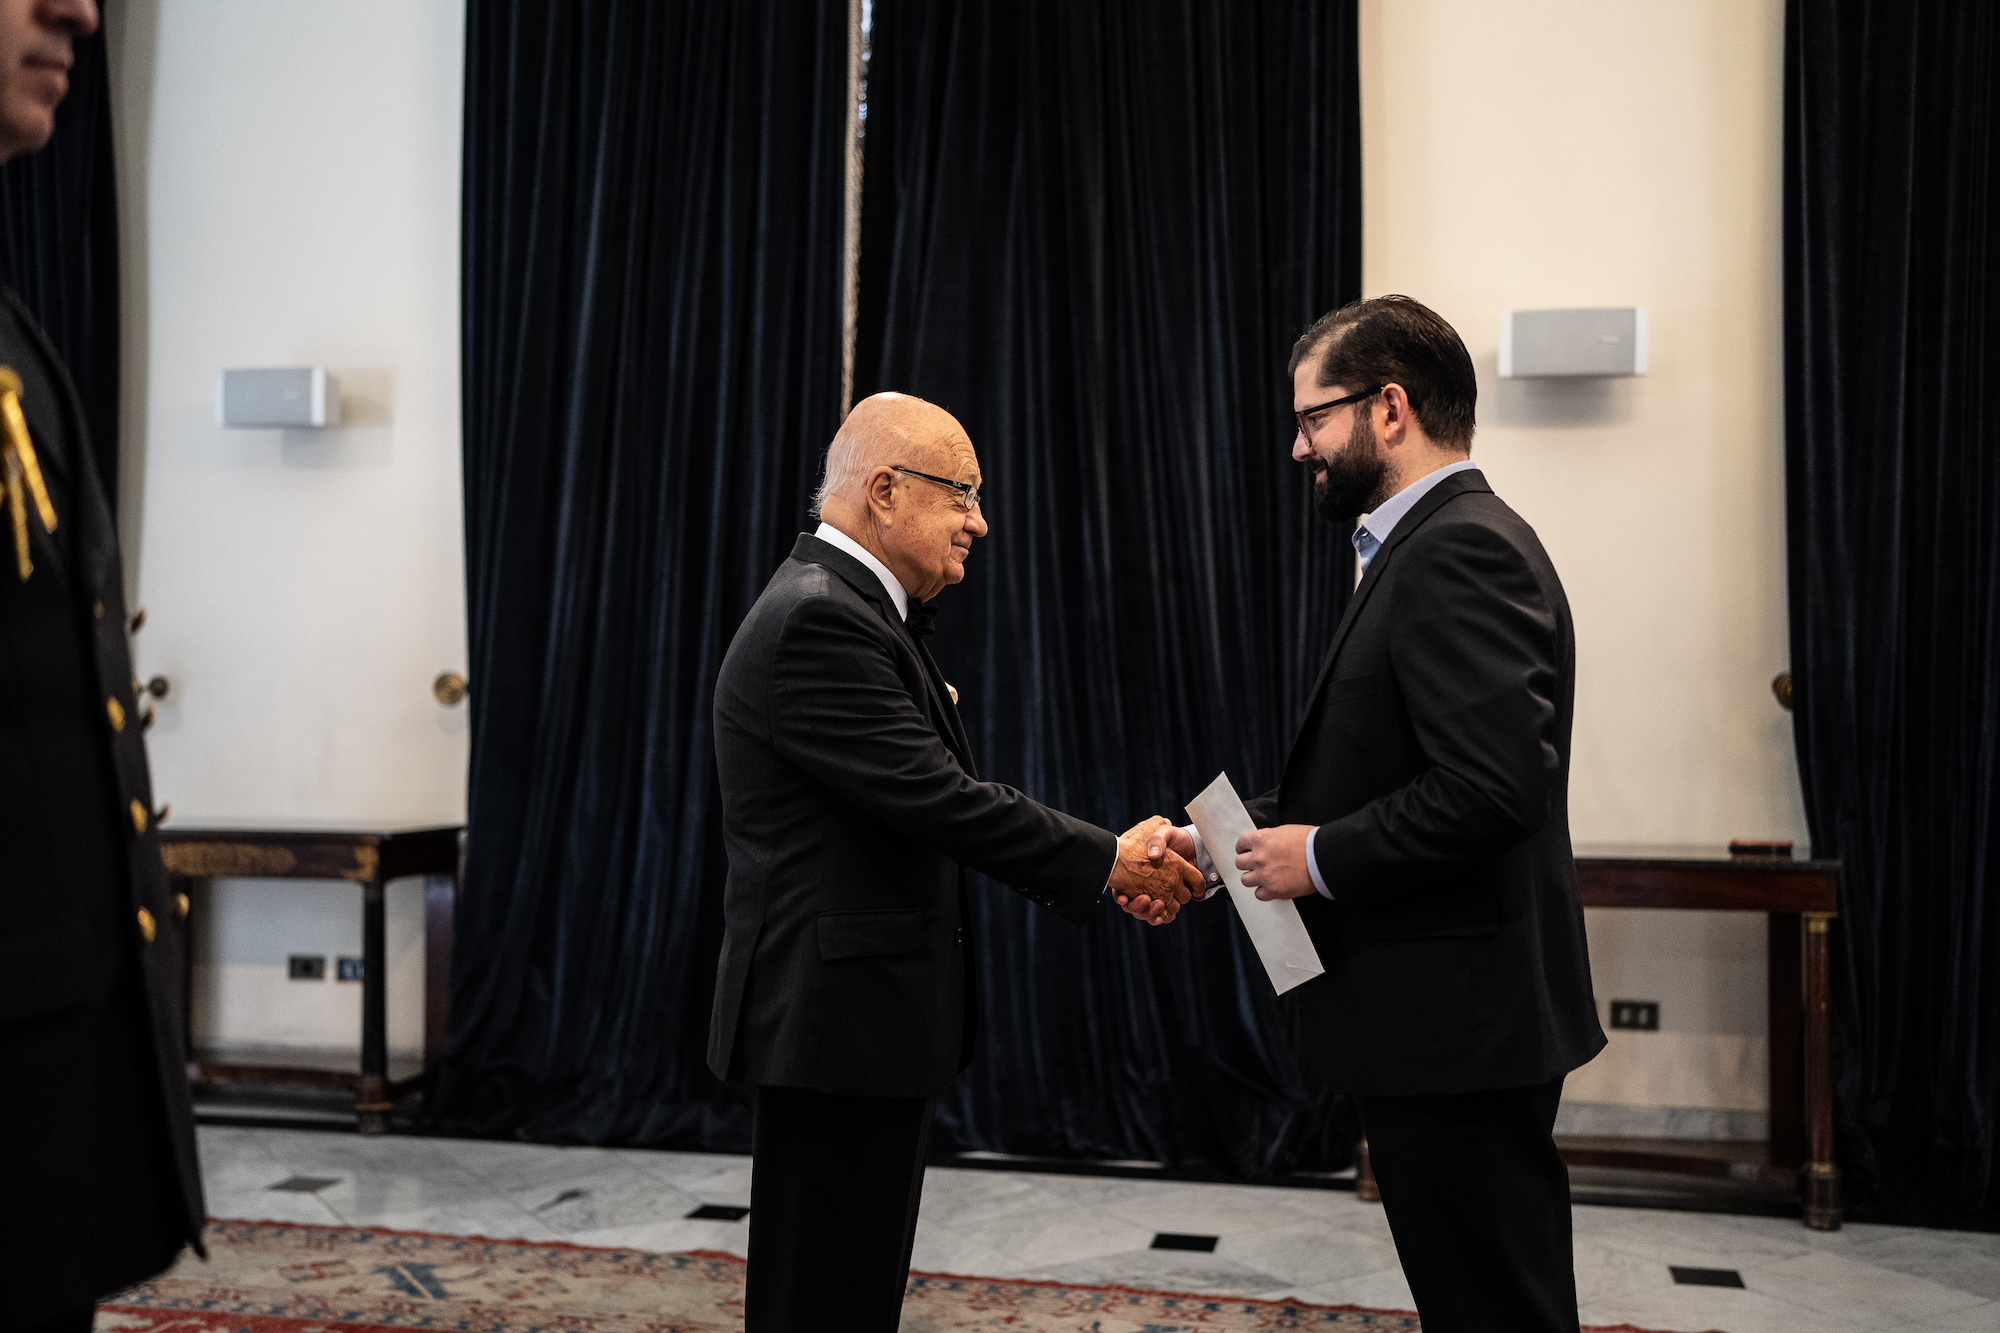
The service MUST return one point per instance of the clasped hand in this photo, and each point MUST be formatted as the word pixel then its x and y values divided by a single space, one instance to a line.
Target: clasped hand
pixel 1272 862
pixel 1155 874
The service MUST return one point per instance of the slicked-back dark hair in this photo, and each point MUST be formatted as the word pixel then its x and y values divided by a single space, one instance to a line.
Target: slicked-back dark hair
pixel 1398 340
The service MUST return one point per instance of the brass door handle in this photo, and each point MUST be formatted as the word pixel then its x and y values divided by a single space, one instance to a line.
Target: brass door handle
pixel 450 689
pixel 1781 686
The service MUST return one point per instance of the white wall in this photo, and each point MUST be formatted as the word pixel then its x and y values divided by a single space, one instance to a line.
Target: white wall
pixel 289 176
pixel 1550 153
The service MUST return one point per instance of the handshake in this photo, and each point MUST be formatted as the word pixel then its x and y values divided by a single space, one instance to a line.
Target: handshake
pixel 1155 875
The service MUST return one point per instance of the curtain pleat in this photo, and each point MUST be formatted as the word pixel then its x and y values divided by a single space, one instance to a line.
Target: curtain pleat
pixel 652 327
pixel 1892 312
pixel 59 246
pixel 1092 230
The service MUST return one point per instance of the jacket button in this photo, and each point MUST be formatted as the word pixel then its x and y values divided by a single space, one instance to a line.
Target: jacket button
pixel 146 926
pixel 138 817
pixel 97 609
pixel 117 711
pixel 181 905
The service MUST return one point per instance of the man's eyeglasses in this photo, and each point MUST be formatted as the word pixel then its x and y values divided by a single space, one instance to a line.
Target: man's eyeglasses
pixel 1307 430
pixel 968 494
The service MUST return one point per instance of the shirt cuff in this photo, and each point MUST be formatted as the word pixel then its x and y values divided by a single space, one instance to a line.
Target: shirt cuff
pixel 1211 878
pixel 1312 865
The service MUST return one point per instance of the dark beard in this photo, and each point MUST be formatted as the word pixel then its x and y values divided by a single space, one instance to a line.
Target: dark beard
pixel 1357 478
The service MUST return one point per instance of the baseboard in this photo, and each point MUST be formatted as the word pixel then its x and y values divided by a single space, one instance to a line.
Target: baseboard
pixel 1606 1119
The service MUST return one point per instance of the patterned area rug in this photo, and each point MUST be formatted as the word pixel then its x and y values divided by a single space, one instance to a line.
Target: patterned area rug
pixel 275 1277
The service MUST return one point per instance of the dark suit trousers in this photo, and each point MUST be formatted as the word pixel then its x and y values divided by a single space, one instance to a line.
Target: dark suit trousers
pixel 834 1188
pixel 1478 1201
pixel 76 1321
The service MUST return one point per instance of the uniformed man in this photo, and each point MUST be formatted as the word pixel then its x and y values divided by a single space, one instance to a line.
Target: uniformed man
pixel 99 1187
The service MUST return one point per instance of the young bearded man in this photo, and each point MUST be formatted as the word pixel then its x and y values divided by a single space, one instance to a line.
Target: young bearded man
pixel 1422 824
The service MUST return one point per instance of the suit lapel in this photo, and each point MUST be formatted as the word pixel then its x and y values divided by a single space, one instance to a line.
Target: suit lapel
pixel 1369 579
pixel 941 706
pixel 859 577
pixel 1456 484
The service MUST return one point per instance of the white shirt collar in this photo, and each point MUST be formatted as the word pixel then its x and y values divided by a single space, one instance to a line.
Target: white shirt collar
pixel 898 597
pixel 1389 513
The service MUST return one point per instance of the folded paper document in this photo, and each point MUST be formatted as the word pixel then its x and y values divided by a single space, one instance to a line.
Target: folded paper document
pixel 1274 927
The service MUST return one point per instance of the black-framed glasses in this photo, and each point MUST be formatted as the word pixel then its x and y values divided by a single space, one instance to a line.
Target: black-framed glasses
pixel 1328 406
pixel 968 494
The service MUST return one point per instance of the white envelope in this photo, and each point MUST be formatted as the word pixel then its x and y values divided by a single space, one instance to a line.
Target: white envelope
pixel 1275 929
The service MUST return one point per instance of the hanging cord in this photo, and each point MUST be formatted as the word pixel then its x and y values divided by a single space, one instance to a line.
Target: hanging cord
pixel 860 14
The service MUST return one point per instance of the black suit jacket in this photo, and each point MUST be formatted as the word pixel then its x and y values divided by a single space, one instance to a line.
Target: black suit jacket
pixel 79 864
pixel 1434 757
pixel 849 804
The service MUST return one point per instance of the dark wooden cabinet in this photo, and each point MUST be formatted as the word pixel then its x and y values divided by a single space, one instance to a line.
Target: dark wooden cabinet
pixel 370 857
pixel 1798 901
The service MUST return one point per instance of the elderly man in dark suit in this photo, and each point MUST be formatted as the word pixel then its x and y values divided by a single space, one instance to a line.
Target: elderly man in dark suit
pixel 1422 824
pixel 850 806
pixel 98 1182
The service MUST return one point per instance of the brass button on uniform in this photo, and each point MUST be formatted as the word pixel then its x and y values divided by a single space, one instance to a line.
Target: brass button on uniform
pixel 146 926
pixel 117 712
pixel 138 817
pixel 181 905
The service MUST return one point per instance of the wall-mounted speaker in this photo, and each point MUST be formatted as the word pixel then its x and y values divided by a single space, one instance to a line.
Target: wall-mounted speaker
pixel 268 399
pixel 1557 344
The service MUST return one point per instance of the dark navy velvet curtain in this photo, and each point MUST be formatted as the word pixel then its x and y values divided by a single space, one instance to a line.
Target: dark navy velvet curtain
pixel 1892 214
pixel 1092 230
pixel 59 246
pixel 653 211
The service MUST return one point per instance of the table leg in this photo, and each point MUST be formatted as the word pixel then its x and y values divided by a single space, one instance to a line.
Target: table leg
pixel 176 885
pixel 440 914
pixel 371 1099
pixel 1820 1182
pixel 1365 1188
pixel 1786 1034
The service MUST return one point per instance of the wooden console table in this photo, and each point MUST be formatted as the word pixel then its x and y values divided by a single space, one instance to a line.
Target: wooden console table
pixel 370 858
pixel 1798 898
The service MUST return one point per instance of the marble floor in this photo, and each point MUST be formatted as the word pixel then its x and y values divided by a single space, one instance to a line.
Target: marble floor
pixel 1318 1245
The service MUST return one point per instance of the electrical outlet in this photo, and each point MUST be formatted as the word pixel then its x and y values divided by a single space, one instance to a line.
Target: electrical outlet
pixel 1636 1015
pixel 306 967
pixel 347 969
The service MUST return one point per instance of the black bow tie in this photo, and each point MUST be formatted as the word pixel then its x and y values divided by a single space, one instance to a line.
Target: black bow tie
pixel 921 619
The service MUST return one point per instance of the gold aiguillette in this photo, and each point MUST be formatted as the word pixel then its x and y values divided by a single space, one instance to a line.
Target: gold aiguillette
pixel 19 465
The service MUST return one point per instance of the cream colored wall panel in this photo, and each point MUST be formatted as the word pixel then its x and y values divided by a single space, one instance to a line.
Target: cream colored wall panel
pixel 1727 1071
pixel 1562 153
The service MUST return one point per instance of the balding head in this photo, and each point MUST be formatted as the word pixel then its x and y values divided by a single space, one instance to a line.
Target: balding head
pixel 915 525
pixel 890 430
